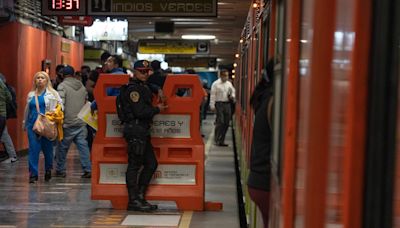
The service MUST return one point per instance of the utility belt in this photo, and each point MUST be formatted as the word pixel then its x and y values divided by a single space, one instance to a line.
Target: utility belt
pixel 134 121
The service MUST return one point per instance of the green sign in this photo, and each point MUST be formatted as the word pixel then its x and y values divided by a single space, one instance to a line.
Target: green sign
pixel 159 8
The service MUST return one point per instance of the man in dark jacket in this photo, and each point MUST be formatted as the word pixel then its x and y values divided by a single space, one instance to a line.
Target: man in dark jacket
pixel 136 102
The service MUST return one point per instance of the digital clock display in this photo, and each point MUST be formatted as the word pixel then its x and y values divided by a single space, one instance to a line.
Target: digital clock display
pixel 64 5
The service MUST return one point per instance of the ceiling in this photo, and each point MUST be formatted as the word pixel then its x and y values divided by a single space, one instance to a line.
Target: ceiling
pixel 227 27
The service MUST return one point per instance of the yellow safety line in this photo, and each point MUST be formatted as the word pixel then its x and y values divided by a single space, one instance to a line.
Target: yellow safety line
pixel 186 219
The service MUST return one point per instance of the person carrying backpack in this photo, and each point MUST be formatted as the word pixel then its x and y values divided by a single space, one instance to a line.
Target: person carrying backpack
pixel 10 112
pixel 136 112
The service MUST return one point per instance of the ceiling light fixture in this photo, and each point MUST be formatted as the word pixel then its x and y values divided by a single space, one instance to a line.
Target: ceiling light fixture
pixel 198 37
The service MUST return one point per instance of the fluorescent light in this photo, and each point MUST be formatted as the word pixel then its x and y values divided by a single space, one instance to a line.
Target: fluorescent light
pixel 164 65
pixel 198 37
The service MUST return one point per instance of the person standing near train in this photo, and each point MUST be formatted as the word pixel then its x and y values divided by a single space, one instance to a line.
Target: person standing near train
pixel 258 182
pixel 221 96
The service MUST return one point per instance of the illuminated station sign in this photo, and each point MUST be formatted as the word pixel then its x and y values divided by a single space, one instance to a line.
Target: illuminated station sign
pixel 130 8
pixel 158 8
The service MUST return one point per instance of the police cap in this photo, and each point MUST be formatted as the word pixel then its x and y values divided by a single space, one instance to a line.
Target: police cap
pixel 141 65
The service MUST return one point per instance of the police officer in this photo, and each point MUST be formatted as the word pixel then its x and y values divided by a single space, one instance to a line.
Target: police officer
pixel 140 111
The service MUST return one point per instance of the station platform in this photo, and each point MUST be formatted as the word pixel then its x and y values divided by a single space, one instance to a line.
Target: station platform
pixel 65 202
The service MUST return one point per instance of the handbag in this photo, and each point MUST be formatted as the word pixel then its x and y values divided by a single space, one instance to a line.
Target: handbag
pixel 43 126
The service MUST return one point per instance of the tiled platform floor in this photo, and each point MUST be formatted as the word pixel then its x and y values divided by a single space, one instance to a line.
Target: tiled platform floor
pixel 66 202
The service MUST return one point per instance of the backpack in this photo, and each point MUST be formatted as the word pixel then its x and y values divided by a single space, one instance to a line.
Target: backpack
pixel 121 104
pixel 11 107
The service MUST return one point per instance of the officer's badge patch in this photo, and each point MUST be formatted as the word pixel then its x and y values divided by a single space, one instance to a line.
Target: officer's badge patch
pixel 134 96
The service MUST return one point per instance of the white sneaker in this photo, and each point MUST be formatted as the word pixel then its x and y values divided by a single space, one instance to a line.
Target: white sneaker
pixel 14 159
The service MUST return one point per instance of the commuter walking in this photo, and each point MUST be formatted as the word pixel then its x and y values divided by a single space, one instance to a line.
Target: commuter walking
pixel 259 178
pixel 90 85
pixel 5 97
pixel 136 112
pixel 74 97
pixel 8 146
pixel 5 136
pixel 47 99
pixel 221 96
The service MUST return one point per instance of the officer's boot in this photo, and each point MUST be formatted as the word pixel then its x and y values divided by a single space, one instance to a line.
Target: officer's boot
pixel 135 204
pixel 142 195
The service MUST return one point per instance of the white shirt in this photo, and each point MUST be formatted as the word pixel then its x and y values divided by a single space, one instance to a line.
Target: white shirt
pixel 220 91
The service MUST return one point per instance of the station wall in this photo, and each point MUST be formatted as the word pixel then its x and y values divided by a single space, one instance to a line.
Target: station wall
pixel 23 48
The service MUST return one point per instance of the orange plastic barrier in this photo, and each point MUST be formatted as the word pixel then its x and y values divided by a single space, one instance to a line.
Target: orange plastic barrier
pixel 177 144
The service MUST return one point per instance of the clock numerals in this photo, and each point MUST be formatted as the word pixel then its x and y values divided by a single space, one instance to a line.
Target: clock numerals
pixel 66 5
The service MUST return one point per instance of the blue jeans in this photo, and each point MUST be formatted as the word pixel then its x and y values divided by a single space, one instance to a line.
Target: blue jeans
pixel 76 134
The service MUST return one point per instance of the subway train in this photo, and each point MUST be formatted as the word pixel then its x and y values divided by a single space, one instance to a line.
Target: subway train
pixel 335 152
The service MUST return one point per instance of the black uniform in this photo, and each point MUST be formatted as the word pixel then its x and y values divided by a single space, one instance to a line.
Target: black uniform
pixel 140 112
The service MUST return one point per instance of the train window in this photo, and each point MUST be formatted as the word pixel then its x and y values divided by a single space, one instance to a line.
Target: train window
pixel 265 35
pixel 243 87
pixel 304 95
pixel 257 54
pixel 343 47
pixel 278 90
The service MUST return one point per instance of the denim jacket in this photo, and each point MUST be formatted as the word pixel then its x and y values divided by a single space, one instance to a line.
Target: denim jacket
pixel 49 105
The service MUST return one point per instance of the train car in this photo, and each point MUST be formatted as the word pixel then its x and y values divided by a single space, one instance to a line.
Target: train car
pixel 335 115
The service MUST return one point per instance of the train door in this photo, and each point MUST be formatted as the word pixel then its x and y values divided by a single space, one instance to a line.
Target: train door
pixel 331 81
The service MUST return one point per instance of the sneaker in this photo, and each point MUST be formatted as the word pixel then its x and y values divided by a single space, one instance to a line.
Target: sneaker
pixel 14 159
pixel 47 176
pixel 33 179
pixel 222 144
pixel 60 174
pixel 86 174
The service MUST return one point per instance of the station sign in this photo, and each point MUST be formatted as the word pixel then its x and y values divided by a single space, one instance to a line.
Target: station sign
pixel 112 173
pixel 114 128
pixel 170 126
pixel 191 62
pixel 173 47
pixel 164 126
pixel 75 20
pixel 148 8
